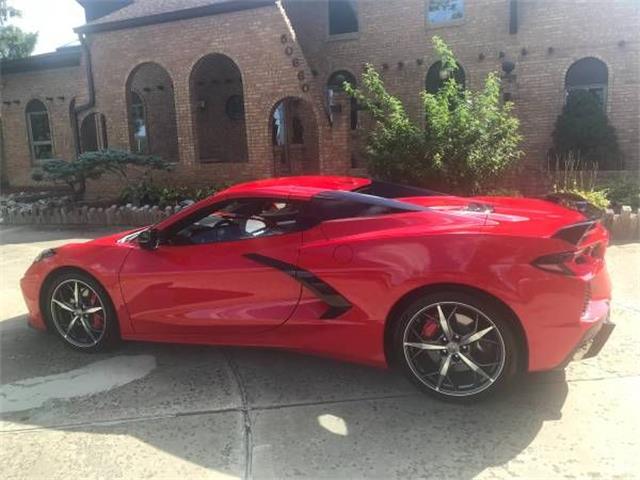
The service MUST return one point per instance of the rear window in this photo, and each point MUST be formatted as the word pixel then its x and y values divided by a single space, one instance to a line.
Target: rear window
pixel 335 205
pixel 394 190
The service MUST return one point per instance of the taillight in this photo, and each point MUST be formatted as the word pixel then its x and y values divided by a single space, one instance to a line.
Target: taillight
pixel 556 263
pixel 572 263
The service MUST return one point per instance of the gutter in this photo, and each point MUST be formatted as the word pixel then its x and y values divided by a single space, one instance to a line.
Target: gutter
pixel 76 110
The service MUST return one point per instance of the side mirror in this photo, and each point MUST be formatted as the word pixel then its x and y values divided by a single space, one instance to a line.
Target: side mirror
pixel 149 239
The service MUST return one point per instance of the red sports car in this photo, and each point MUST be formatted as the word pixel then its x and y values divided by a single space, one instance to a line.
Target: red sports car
pixel 459 293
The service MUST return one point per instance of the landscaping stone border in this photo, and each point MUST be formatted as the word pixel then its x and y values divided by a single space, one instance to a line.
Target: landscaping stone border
pixel 624 226
pixel 126 215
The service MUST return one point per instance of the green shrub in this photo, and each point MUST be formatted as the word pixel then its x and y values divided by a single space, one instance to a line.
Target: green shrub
pixel 469 140
pixel 573 175
pixel 504 192
pixel 129 167
pixel 597 198
pixel 584 129
pixel 149 194
pixel 624 192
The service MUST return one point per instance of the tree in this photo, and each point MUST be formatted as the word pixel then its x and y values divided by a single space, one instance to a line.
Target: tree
pixel 128 166
pixel 584 130
pixel 14 43
pixel 469 138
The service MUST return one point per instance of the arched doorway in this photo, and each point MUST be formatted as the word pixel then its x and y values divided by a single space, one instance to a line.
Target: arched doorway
pixel 588 74
pixel 294 137
pixel 152 113
pixel 217 99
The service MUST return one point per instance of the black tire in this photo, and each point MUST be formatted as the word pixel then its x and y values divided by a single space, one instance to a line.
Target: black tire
pixel 463 309
pixel 80 334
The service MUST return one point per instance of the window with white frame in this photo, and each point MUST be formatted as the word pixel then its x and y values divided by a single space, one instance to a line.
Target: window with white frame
pixel 40 140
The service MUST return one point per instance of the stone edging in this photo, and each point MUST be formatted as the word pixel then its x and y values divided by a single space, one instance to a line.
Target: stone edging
pixel 623 226
pixel 126 215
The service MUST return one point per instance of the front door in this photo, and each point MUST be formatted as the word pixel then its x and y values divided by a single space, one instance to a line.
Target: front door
pixel 203 280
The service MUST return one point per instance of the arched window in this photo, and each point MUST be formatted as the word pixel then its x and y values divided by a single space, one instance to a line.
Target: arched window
pixel 436 76
pixel 40 142
pixel 588 74
pixel 335 84
pixel 139 123
pixel 343 17
pixel 93 133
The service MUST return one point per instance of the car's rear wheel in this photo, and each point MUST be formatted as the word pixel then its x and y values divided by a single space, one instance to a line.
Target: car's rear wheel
pixel 455 345
pixel 80 312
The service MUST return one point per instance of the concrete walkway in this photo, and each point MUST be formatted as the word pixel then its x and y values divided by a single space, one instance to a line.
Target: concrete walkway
pixel 167 411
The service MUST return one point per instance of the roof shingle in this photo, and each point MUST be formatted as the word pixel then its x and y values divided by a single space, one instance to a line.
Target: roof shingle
pixel 145 12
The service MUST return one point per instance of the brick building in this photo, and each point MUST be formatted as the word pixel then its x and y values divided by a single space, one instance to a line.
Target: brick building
pixel 238 89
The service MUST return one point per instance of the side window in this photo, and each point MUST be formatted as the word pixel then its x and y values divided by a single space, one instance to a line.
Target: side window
pixel 590 75
pixel 237 219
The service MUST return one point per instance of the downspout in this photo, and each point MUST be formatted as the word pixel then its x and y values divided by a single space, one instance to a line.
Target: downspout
pixel 76 110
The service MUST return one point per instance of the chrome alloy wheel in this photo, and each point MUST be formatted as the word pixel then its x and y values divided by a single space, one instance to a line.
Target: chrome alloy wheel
pixel 78 313
pixel 454 349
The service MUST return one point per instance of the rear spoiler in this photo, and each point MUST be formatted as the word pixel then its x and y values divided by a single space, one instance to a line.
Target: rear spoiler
pixel 575 202
pixel 576 232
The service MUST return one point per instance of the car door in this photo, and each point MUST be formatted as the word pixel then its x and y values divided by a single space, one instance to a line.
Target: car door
pixel 205 281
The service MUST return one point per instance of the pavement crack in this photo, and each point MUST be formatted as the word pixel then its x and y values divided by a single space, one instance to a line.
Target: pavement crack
pixel 335 401
pixel 625 306
pixel 246 413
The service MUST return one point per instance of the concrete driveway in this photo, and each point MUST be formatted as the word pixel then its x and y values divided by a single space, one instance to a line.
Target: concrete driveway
pixel 151 410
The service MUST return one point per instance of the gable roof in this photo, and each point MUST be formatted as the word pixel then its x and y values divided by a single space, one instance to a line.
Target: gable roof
pixel 149 12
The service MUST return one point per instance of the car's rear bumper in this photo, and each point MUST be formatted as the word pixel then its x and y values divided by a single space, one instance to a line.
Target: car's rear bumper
pixel 594 339
pixel 595 334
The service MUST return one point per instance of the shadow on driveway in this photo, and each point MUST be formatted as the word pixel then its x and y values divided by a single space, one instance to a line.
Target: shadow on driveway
pixel 263 413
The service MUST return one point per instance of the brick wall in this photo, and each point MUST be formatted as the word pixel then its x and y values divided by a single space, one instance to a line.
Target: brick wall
pixel 552 35
pixel 276 62
pixel 55 88
pixel 258 41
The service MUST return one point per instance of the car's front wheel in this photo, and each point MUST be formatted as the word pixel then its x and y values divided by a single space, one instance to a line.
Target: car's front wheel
pixel 80 312
pixel 455 345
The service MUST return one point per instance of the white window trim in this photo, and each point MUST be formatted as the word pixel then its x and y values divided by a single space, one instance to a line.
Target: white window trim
pixel 34 143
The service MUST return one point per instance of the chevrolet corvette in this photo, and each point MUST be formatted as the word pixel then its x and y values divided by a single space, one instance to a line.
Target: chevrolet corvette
pixel 460 294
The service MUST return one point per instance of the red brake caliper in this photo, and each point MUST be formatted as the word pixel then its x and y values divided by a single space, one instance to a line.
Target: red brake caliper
pixel 97 320
pixel 429 329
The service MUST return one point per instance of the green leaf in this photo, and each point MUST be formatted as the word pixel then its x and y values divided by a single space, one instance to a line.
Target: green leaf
pixel 467 141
